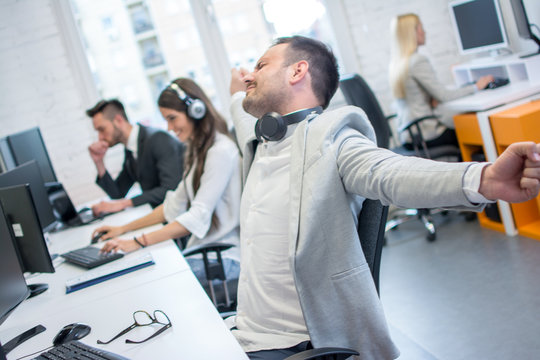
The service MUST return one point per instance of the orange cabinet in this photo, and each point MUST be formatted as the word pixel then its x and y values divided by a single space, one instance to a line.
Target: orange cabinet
pixel 520 123
pixel 472 149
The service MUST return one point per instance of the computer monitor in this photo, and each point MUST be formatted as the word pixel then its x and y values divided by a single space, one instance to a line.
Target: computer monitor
pixel 29 174
pixel 29 242
pixel 28 145
pixel 478 25
pixel 13 289
pixel 523 24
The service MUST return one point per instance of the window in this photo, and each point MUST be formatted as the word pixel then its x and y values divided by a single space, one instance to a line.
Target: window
pixel 140 18
pixel 159 40
pixel 151 53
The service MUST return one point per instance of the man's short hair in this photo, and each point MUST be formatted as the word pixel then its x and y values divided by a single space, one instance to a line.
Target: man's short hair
pixel 109 108
pixel 323 66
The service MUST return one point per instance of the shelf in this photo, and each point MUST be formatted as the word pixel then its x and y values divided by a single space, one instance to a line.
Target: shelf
pixel 471 146
pixel 532 230
pixel 490 224
pixel 510 67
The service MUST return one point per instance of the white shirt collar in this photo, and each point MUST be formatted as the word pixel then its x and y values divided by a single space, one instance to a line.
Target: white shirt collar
pixel 133 140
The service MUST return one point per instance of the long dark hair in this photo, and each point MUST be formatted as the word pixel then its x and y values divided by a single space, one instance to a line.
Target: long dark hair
pixel 203 130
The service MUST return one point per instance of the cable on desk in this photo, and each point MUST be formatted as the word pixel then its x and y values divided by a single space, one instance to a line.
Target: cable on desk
pixel 37 352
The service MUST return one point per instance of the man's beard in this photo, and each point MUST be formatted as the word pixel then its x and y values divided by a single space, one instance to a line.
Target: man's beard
pixel 258 106
pixel 117 137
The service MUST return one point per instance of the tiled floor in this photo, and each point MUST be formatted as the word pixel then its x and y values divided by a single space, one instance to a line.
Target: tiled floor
pixel 472 294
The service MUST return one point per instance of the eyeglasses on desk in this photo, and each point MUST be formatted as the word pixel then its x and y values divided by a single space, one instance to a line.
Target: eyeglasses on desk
pixel 143 318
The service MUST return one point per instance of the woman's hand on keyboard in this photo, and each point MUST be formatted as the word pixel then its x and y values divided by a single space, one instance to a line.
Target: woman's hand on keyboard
pixel 108 231
pixel 126 245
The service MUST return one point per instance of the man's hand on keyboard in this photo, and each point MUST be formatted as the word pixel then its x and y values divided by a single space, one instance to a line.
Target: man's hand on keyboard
pixel 126 245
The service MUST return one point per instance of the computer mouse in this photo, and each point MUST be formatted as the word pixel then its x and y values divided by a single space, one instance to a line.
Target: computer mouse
pixel 98 236
pixel 497 82
pixel 70 332
pixel 84 209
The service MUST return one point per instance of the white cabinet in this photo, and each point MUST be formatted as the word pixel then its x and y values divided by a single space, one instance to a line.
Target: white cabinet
pixel 512 68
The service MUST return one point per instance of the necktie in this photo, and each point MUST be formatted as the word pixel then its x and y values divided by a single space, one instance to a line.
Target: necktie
pixel 131 163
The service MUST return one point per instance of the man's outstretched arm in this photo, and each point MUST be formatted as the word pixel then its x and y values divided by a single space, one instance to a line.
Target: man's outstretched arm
pixel 514 176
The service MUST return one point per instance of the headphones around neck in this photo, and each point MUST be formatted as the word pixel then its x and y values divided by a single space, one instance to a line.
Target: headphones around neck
pixel 196 108
pixel 273 127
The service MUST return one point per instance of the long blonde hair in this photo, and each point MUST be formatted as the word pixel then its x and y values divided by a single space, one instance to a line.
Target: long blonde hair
pixel 403 30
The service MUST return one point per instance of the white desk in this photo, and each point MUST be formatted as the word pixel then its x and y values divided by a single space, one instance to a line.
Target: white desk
pixel 488 99
pixel 198 331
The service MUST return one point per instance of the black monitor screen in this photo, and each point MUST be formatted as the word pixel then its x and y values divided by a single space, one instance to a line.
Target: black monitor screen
pixel 29 174
pixel 13 289
pixel 29 241
pixel 522 22
pixel 478 24
pixel 28 145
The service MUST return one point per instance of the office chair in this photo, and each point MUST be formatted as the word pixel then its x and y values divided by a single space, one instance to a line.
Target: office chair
pixel 371 229
pixel 224 298
pixel 357 92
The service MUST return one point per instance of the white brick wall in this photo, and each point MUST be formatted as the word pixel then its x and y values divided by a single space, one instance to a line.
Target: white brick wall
pixel 39 87
pixel 369 21
pixel 42 82
pixel 370 26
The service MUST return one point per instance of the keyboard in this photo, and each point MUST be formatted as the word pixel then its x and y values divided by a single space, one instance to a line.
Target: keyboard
pixel 78 350
pixel 110 271
pixel 89 257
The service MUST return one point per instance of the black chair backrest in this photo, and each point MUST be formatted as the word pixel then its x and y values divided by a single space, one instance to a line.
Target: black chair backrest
pixel 371 228
pixel 358 93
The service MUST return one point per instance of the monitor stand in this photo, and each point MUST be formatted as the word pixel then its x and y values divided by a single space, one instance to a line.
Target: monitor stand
pixel 36 289
pixel 529 55
pixel 19 339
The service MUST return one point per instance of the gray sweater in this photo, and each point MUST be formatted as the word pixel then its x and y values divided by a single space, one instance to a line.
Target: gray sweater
pixel 334 166
pixel 421 86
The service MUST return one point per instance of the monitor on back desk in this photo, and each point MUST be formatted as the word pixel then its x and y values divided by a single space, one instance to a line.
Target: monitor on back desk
pixel 29 145
pixel 523 25
pixel 478 25
pixel 29 173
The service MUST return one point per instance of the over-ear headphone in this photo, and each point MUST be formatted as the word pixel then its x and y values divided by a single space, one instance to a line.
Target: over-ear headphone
pixel 273 127
pixel 196 108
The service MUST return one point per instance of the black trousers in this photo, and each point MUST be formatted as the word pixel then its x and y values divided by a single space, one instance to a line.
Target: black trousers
pixel 279 354
pixel 448 137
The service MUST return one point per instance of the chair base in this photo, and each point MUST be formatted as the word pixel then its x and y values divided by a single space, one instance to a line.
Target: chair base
pixel 401 216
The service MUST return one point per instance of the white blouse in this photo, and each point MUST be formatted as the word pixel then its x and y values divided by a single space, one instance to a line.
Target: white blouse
pixel 219 192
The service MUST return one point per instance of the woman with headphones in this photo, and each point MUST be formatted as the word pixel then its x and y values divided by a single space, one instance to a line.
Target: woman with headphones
pixel 206 204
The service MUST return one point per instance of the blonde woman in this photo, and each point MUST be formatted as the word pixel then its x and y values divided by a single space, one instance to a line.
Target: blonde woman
pixel 415 86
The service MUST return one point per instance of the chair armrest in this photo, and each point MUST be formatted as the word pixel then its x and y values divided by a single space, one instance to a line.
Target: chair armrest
pixel 391 116
pixel 53 186
pixel 324 353
pixel 213 246
pixel 416 121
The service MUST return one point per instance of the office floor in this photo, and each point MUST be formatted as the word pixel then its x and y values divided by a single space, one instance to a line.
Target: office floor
pixel 472 294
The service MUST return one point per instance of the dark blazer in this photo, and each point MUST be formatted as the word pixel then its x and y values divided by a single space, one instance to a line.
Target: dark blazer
pixel 158 168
